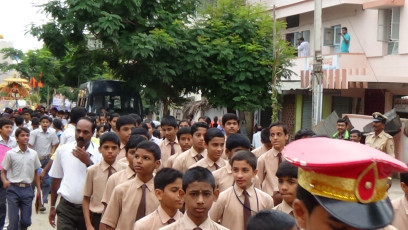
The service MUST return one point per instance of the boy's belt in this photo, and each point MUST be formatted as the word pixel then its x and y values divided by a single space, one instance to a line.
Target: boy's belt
pixel 21 185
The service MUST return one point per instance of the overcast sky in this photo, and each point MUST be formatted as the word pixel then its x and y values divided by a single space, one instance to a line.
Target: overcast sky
pixel 15 19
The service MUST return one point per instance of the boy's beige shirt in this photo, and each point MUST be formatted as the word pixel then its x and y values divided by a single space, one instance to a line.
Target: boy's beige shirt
pixel 165 149
pixel 400 213
pixel 284 207
pixel 209 164
pixel 156 220
pixel 260 151
pixel 122 152
pixel 186 159
pixel 230 211
pixel 170 161
pixel 185 223
pixel 122 207
pixel 95 183
pixel 224 178
pixel 115 180
pixel 267 167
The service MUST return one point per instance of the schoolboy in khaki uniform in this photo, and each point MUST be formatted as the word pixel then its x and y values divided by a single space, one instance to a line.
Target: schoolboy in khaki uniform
pixel 168 189
pixel 266 143
pixel 124 126
pixel 214 143
pixel 223 176
pixel 200 193
pixel 184 161
pixel 170 145
pixel 268 163
pixel 287 179
pixel 125 175
pixel 96 178
pixel 238 203
pixel 134 199
pixel 401 205
pixel 230 125
pixel 185 140
pixel 357 195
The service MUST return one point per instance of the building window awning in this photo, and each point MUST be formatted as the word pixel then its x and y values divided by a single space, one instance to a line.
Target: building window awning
pixel 383 4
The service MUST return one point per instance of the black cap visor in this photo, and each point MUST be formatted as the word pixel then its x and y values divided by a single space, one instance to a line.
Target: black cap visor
pixel 363 216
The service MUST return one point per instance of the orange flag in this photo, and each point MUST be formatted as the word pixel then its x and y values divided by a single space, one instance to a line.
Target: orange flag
pixel 40 84
pixel 34 82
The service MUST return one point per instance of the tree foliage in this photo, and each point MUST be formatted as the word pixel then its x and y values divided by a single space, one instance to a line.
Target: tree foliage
pixel 165 49
pixel 237 42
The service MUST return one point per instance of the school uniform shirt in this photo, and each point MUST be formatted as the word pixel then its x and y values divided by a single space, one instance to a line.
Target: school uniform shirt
pixel 400 213
pixel 28 125
pixel 224 178
pixel 72 171
pixel 122 152
pixel 165 149
pixel 267 167
pixel 42 141
pixel 68 135
pixel 156 220
pixel 11 143
pixel 209 164
pixel 95 183
pixel 187 158
pixel 170 161
pixel 260 150
pixel 20 165
pixel 230 211
pixel 185 223
pixel 122 207
pixel 284 207
pixel 115 180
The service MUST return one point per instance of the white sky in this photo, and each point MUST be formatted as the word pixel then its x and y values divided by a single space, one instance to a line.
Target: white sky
pixel 15 19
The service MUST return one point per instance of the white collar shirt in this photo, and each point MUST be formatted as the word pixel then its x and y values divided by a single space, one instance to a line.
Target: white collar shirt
pixel 68 135
pixel 11 143
pixel 20 165
pixel 42 142
pixel 72 171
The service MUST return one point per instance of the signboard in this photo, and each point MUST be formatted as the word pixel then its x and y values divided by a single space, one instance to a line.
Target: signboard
pixel 329 62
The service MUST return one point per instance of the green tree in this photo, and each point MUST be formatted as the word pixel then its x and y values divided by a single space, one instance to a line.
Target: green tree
pixel 142 41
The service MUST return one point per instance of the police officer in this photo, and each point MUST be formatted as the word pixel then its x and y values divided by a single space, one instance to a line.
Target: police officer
pixel 380 139
pixel 339 189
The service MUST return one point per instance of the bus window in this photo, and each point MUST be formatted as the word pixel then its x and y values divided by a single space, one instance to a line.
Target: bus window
pixel 116 102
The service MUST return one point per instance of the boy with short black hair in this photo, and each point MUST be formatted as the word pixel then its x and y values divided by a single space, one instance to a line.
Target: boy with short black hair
pixel 200 193
pixel 230 124
pixel 113 118
pixel 124 126
pixel 44 141
pixel 271 220
pixel 170 145
pixel 214 143
pixel 35 123
pixel 136 194
pixel 19 171
pixel 401 205
pixel 197 152
pixel 242 200
pixel 223 176
pixel 268 163
pixel 287 179
pixel 266 143
pixel 96 178
pixel 168 190
pixel 125 175
pixel 185 140
pixel 6 127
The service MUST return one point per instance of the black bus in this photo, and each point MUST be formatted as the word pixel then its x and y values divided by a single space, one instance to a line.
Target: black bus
pixel 112 95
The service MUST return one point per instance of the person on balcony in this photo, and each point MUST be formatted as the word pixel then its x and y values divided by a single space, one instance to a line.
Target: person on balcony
pixel 303 48
pixel 345 43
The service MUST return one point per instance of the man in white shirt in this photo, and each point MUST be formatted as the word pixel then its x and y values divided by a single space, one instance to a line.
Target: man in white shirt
pixel 303 48
pixel 69 172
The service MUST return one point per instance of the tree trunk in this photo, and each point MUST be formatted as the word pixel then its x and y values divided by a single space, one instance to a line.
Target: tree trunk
pixel 166 110
pixel 249 123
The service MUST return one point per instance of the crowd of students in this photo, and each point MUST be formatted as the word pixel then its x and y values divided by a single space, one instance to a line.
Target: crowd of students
pixel 114 171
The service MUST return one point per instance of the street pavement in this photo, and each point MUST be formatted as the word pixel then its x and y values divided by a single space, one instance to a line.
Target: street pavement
pixel 40 220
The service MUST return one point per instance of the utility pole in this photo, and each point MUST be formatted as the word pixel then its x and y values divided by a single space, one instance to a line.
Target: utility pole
pixel 317 74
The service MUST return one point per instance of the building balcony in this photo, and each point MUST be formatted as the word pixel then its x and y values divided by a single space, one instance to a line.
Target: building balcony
pixel 340 71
